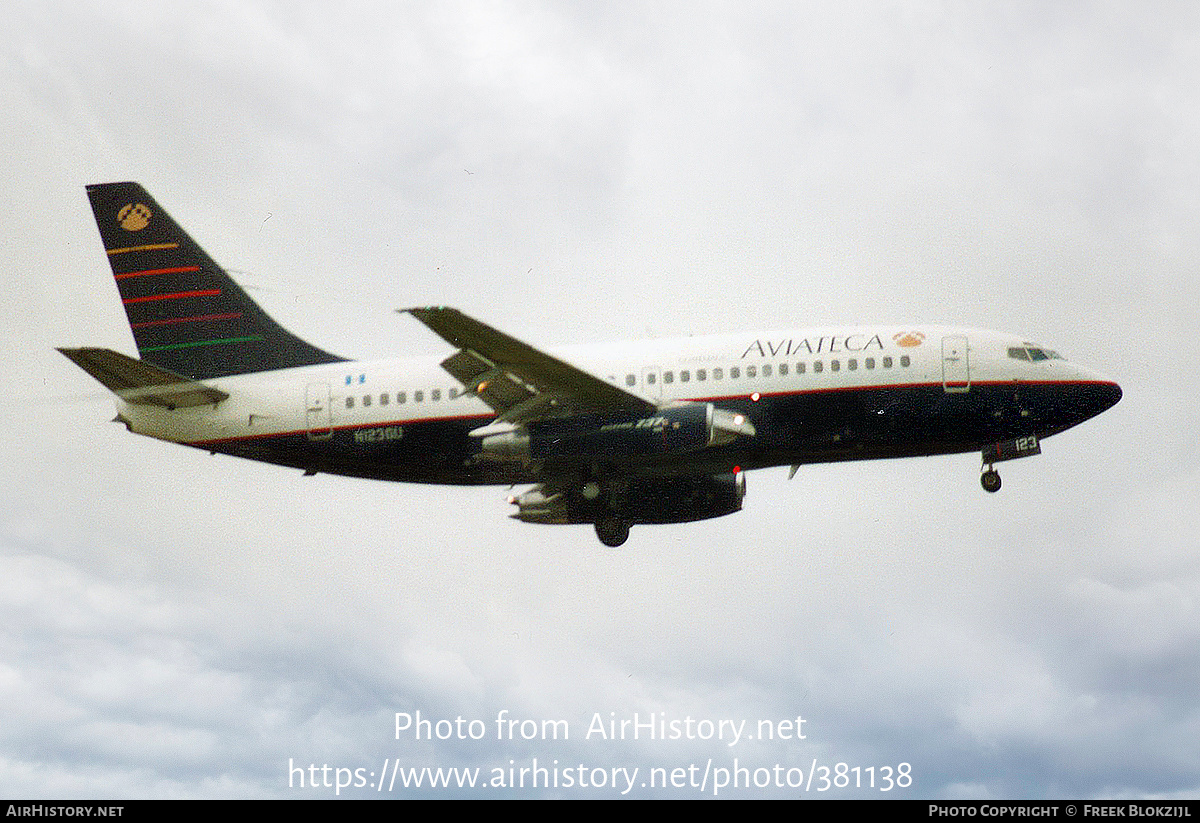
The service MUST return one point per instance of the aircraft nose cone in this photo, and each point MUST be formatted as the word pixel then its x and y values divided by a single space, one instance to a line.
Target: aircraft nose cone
pixel 1110 395
pixel 1101 395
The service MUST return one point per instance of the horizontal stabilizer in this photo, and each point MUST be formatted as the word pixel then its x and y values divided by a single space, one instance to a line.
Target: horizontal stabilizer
pixel 136 381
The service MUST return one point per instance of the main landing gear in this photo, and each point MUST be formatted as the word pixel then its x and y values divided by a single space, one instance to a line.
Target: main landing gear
pixel 990 480
pixel 612 531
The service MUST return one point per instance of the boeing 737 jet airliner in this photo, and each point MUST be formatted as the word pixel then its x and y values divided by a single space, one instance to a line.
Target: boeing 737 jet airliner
pixel 613 435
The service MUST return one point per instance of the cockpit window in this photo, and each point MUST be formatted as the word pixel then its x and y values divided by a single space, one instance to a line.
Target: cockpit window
pixel 1031 352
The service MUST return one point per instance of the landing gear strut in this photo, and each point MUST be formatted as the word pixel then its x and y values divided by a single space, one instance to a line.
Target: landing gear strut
pixel 990 480
pixel 612 531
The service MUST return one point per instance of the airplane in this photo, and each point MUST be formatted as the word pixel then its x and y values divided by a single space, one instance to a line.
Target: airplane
pixel 613 435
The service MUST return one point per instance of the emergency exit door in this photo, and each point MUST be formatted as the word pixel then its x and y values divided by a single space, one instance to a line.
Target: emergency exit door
pixel 316 411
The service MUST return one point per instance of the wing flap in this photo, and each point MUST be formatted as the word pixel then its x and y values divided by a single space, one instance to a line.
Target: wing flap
pixel 136 381
pixel 468 367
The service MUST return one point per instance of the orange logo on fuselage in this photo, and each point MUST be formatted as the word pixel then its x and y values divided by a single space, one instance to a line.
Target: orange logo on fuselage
pixel 134 216
pixel 907 339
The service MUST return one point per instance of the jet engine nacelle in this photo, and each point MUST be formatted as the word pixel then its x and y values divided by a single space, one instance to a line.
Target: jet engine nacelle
pixel 672 430
pixel 647 500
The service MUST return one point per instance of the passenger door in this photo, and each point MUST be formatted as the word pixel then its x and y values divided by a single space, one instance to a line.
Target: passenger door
pixel 956 363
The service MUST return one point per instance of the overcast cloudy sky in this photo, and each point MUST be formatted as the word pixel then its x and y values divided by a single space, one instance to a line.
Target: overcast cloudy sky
pixel 175 624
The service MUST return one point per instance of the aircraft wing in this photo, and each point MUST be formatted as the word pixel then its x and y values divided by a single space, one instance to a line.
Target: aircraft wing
pixel 520 382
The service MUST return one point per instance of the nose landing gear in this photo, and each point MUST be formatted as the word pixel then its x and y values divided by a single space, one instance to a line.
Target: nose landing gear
pixel 990 480
pixel 1026 446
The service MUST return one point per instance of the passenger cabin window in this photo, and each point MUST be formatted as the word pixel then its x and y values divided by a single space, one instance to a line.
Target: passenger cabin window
pixel 734 373
pixel 453 393
pixel 835 365
pixel 685 376
pixel 349 402
pixel 904 360
pixel 650 379
pixel 767 370
pixel 783 370
pixel 436 394
pixel 383 399
pixel 418 396
pixel 818 366
pixel 701 374
pixel 631 380
pixel 366 399
pixel 668 377
pixel 401 397
pixel 852 364
pixel 887 362
pixel 752 371
pixel 869 362
pixel 718 374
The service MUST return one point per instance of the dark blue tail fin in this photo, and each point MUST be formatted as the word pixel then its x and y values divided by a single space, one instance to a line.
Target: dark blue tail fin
pixel 186 313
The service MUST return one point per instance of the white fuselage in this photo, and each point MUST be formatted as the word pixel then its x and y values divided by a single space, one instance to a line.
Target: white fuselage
pixel 755 366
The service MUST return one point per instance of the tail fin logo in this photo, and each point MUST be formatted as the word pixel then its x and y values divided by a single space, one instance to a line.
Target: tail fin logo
pixel 134 216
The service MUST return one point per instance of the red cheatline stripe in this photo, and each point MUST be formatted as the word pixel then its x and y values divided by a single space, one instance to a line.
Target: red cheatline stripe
pixel 157 271
pixel 197 319
pixel 176 296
